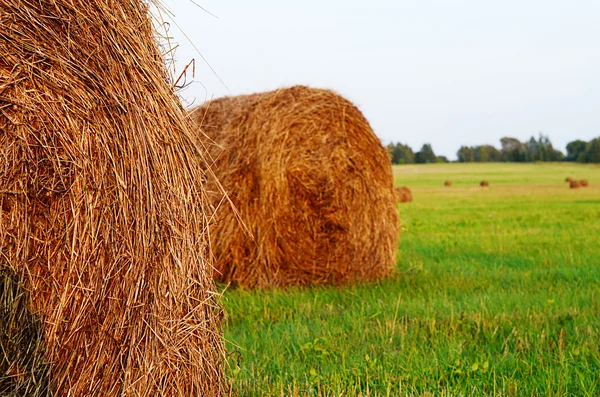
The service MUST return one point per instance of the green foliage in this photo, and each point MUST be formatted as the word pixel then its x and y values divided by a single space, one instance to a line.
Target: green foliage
pixel 479 154
pixel 592 151
pixel 425 155
pixel 400 154
pixel 497 294
pixel 512 149
pixel 482 154
pixel 466 154
pixel 493 154
pixel 541 150
pixel 584 152
pixel 575 149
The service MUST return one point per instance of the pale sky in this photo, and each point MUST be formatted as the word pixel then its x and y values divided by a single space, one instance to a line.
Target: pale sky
pixel 447 72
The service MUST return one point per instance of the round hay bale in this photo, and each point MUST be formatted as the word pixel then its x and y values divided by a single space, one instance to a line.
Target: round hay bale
pixel 575 184
pixel 569 179
pixel 105 276
pixel 312 184
pixel 398 194
pixel 448 183
pixel 484 184
pixel 403 194
pixel 584 183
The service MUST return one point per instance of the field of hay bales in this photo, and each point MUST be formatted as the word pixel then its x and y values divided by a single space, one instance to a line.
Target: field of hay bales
pixel 497 294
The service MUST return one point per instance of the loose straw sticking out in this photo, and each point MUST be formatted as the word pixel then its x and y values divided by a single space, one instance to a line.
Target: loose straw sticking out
pixel 103 212
pixel 313 186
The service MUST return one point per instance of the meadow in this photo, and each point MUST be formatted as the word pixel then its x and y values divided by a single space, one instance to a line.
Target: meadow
pixel 497 293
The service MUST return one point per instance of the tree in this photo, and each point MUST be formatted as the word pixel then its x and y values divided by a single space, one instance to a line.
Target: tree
pixel 541 150
pixel 466 154
pixel 512 149
pixel 481 154
pixel 592 151
pixel 557 155
pixel 531 150
pixel 493 153
pixel 401 154
pixel 574 149
pixel 425 155
pixel 390 149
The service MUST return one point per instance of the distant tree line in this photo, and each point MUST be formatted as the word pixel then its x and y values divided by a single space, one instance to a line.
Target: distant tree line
pixel 512 150
pixel 403 154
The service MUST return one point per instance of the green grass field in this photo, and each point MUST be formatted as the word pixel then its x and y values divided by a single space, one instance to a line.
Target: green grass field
pixel 497 294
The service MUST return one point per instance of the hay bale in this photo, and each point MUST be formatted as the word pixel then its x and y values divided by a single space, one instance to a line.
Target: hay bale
pixel 312 184
pixel 105 284
pixel 484 184
pixel 575 184
pixel 403 194
pixel 448 183
pixel 398 194
pixel 569 179
pixel 584 183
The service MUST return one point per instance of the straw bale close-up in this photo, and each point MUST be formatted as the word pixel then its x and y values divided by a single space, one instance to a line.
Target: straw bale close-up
pixel 106 285
pixel 312 186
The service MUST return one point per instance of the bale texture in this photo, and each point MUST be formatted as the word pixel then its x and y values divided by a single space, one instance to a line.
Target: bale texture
pixel 448 183
pixel 484 184
pixel 106 284
pixel 312 184
pixel 584 183
pixel 23 370
pixel 575 184
pixel 403 194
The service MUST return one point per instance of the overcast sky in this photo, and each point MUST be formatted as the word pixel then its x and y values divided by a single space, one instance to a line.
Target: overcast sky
pixel 445 72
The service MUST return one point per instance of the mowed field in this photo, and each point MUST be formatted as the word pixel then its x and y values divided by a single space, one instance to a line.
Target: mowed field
pixel 497 293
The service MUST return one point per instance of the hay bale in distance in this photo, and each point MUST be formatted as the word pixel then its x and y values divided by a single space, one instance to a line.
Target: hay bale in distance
pixel 448 183
pixel 569 179
pixel 103 222
pixel 403 194
pixel 584 183
pixel 484 184
pixel 575 184
pixel 312 184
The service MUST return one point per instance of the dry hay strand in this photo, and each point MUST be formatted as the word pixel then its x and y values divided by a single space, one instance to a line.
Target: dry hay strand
pixel 575 184
pixel 569 179
pixel 403 194
pixel 484 184
pixel 448 183
pixel 312 184
pixel 23 370
pixel 584 183
pixel 105 284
